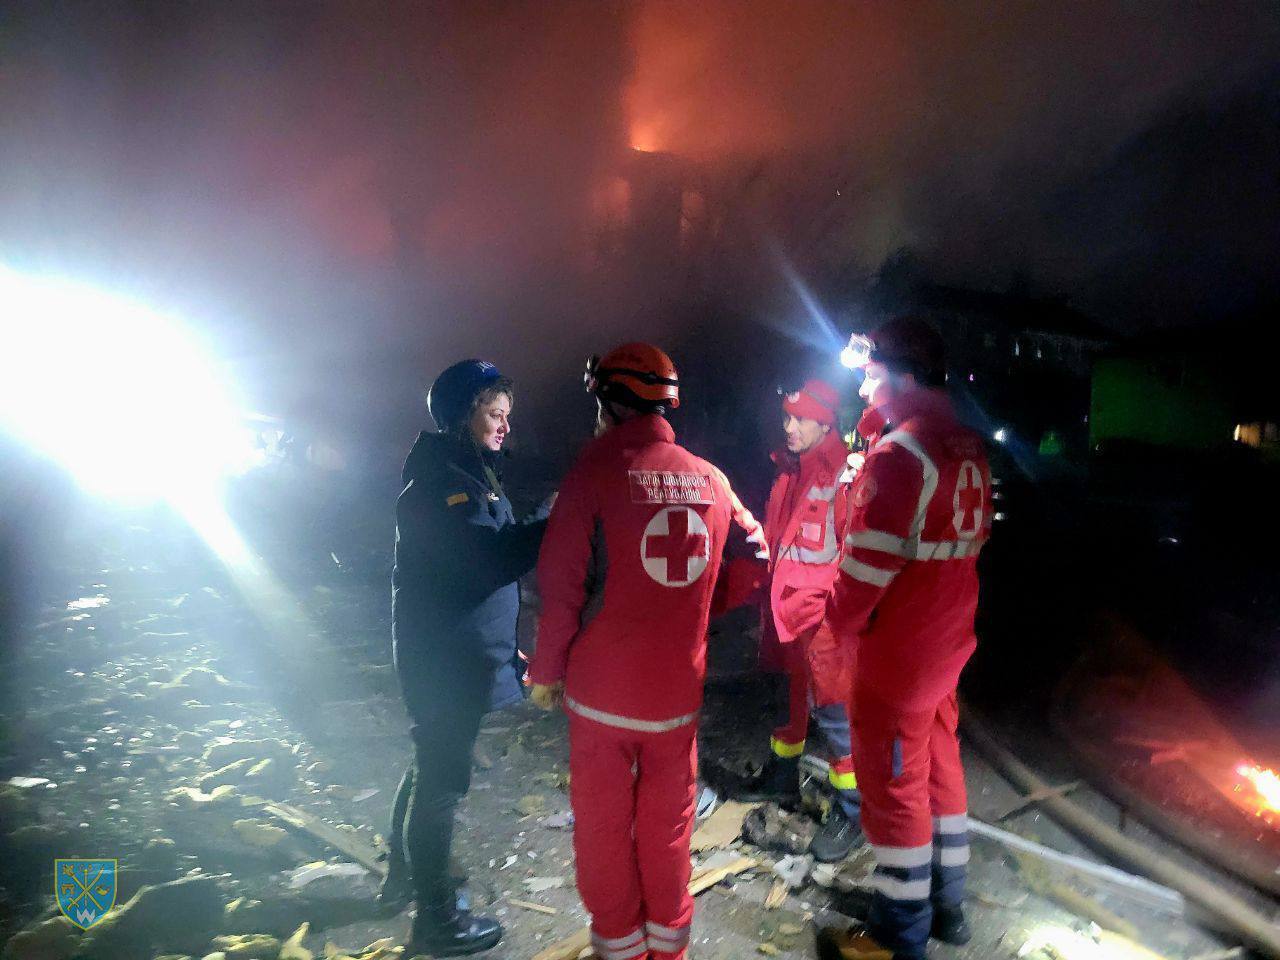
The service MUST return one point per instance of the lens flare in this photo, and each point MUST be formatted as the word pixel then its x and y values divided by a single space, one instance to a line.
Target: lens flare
pixel 122 396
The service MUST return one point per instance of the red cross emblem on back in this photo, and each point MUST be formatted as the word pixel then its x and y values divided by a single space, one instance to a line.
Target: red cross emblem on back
pixel 967 501
pixel 675 548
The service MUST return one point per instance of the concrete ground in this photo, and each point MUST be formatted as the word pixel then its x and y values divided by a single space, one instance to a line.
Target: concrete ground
pixel 102 702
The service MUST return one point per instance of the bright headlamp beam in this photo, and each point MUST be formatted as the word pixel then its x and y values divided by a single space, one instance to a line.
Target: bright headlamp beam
pixel 857 353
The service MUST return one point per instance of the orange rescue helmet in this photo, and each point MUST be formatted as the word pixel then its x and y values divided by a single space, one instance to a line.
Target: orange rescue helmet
pixel 637 375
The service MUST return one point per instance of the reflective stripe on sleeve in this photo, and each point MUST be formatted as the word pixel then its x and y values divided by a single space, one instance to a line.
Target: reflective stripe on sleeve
pixel 628 723
pixel 895 546
pixel 867 573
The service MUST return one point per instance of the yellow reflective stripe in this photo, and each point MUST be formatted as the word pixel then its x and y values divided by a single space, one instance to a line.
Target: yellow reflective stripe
pixel 456 499
pixel 843 781
pixel 786 750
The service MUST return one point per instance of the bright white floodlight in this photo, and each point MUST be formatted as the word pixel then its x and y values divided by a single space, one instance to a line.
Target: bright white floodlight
pixel 120 395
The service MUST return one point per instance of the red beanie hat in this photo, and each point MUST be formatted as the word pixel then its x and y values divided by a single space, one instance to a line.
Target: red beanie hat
pixel 816 400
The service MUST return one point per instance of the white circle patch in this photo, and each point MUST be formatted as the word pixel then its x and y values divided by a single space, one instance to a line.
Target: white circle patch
pixel 676 547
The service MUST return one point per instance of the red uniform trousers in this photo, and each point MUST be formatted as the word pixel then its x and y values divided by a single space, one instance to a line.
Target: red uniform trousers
pixel 633 803
pixel 914 811
pixel 793 718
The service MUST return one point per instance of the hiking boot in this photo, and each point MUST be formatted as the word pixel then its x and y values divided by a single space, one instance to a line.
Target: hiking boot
pixel 778 781
pixel 854 945
pixel 950 926
pixel 836 838
pixel 447 931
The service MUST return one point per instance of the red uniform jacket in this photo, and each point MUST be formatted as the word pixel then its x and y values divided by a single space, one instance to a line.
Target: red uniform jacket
pixel 626 574
pixel 920 510
pixel 806 509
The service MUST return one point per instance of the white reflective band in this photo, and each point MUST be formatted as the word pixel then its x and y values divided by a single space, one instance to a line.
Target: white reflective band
pixel 669 933
pixel 903 856
pixel 619 948
pixel 896 889
pixel 867 573
pixel 880 541
pixel 897 546
pixel 667 939
pixel 952 823
pixel 829 552
pixel 947 549
pixel 628 723
pixel 951 856
pixel 827 555
pixel 929 485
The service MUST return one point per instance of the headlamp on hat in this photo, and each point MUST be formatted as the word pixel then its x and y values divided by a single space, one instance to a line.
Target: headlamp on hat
pixel 857 353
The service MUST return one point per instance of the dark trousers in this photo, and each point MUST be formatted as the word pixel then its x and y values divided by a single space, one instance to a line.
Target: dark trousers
pixel 446 707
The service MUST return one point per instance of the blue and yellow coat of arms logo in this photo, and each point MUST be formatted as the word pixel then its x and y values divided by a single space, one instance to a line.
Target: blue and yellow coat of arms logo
pixel 86 889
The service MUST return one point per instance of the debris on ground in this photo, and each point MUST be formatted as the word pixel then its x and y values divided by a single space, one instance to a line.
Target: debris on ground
pixel 771 828
pixel 794 870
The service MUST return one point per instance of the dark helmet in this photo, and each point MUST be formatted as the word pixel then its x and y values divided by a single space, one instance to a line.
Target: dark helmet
pixel 450 398
pixel 911 345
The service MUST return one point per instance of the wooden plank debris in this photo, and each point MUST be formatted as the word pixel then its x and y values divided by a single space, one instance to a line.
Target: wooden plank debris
pixel 1034 797
pixel 723 826
pixel 355 848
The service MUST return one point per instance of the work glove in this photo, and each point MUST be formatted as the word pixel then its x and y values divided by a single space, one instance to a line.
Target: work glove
pixel 548 696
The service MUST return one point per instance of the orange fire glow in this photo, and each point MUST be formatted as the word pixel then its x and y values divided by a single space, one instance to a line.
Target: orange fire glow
pixel 1265 785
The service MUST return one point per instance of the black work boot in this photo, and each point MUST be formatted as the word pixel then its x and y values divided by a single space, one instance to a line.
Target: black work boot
pixel 950 926
pixel 441 928
pixel 778 781
pixel 838 836
pixel 397 886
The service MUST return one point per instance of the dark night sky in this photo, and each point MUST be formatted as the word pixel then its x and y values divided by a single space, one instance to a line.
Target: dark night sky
pixel 346 188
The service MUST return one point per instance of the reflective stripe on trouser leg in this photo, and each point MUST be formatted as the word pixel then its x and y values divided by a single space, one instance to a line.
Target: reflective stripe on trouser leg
pixel 845 784
pixel 833 722
pixel 948 800
pixel 791 718
pixel 665 794
pixel 619 948
pixel 666 941
pixel 901 913
pixel 950 857
pixel 891 749
pixel 602 789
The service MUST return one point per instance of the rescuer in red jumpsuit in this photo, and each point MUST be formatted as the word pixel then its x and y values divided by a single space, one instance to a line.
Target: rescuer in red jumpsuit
pixel 803 521
pixel 903 607
pixel 626 575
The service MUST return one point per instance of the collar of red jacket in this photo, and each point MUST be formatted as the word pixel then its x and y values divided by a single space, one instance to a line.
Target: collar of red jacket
pixel 829 454
pixel 925 401
pixel 649 428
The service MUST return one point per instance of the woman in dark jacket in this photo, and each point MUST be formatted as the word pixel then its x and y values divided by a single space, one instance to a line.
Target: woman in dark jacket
pixel 455 599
